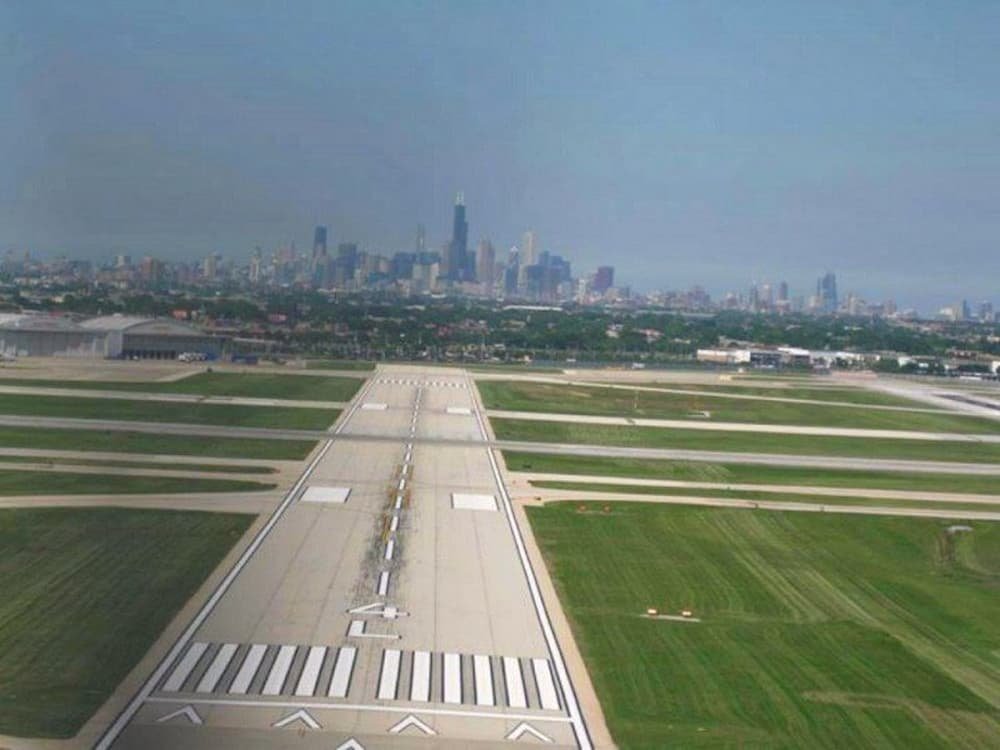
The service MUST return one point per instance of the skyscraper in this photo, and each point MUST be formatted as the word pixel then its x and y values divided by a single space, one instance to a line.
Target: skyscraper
pixel 529 249
pixel 458 249
pixel 421 246
pixel 826 293
pixel 486 260
pixel 604 279
pixel 319 242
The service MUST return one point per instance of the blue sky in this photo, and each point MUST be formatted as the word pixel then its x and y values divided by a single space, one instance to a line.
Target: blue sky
pixel 684 142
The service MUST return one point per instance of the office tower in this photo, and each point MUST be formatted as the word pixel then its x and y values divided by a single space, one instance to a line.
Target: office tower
pixel 421 246
pixel 347 262
pixel 458 248
pixel 826 293
pixel 529 249
pixel 486 259
pixel 255 266
pixel 210 266
pixel 604 279
pixel 986 311
pixel 319 242
pixel 783 291
pixel 123 261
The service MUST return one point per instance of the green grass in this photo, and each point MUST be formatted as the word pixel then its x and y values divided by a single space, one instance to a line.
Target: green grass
pixel 818 631
pixel 722 473
pixel 745 442
pixel 173 465
pixel 842 394
pixel 251 385
pixel 83 595
pixel 159 411
pixel 771 497
pixel 617 402
pixel 111 441
pixel 27 482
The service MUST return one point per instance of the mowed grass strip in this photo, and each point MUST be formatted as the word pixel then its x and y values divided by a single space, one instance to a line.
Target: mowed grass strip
pixel 83 595
pixel 618 402
pixel 770 497
pixel 745 442
pixel 235 384
pixel 29 482
pixel 817 631
pixel 158 411
pixel 841 394
pixel 114 441
pixel 723 473
pixel 173 466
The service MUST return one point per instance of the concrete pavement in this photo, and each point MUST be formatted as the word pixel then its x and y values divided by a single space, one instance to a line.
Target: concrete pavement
pixel 407 612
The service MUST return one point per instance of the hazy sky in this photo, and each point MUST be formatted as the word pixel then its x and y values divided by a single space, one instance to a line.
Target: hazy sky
pixel 684 142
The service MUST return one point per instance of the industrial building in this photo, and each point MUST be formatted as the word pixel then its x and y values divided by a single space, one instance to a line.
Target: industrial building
pixel 105 337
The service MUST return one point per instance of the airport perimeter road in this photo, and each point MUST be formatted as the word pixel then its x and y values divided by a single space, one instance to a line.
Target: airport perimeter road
pixel 387 603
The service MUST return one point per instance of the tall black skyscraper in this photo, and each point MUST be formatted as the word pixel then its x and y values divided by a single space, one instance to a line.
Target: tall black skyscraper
pixel 319 242
pixel 458 249
pixel 826 292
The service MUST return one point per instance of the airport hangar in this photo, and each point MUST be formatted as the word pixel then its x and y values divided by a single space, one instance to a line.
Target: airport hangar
pixel 104 337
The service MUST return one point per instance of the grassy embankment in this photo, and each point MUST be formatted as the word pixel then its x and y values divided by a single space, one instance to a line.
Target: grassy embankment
pixel 83 595
pixel 816 631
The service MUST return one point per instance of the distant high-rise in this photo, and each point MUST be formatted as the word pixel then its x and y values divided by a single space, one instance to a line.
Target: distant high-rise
pixel 319 242
pixel 783 291
pixel 604 279
pixel 458 249
pixel 826 293
pixel 529 249
pixel 421 246
pixel 486 260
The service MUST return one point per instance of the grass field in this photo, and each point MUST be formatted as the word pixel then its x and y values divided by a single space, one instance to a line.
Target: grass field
pixel 617 402
pixel 745 442
pixel 158 411
pixel 110 441
pixel 816 631
pixel 253 385
pixel 722 473
pixel 173 466
pixel 841 394
pixel 771 497
pixel 27 482
pixel 83 595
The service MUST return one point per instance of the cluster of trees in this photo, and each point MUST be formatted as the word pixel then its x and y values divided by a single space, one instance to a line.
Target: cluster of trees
pixel 375 324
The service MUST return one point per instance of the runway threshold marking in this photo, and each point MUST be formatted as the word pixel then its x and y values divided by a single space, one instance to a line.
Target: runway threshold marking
pixel 248 669
pixel 365 707
pixel 572 706
pixel 343 668
pixel 214 672
pixel 143 694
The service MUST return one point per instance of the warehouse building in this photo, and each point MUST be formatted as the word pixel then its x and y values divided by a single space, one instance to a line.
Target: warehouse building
pixel 26 335
pixel 106 337
pixel 152 338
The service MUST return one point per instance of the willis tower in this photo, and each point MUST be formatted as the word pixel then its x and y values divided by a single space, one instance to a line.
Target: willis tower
pixel 459 267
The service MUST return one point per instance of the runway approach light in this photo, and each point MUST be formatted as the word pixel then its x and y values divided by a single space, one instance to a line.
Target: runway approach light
pixel 652 611
pixel 686 613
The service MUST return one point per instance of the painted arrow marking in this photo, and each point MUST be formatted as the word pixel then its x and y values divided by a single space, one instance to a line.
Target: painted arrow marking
pixel 411 721
pixel 351 744
pixel 300 715
pixel 525 728
pixel 187 712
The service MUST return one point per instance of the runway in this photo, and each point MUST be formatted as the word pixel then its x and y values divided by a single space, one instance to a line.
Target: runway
pixel 388 601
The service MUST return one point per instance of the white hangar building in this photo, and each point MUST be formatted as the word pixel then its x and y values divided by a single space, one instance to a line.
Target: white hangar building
pixel 105 337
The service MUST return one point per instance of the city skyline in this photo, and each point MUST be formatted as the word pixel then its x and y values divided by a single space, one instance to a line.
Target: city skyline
pixel 684 144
